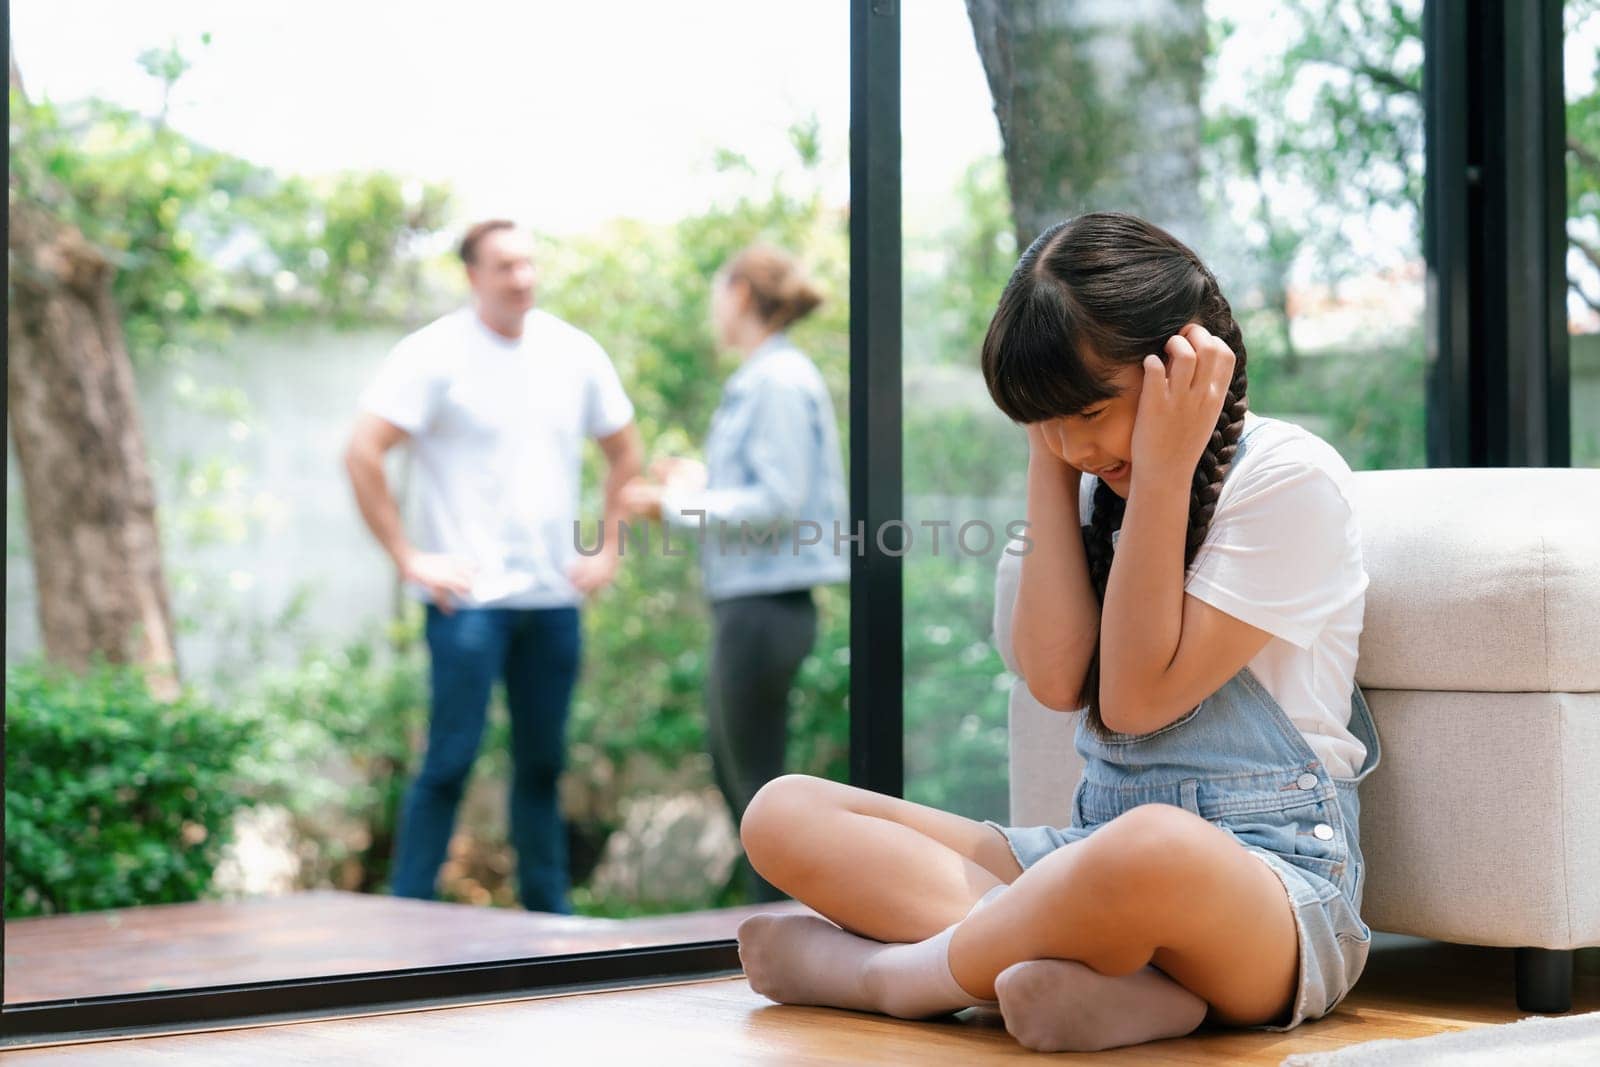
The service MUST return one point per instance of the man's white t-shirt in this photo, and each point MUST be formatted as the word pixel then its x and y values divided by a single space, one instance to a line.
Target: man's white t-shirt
pixel 1284 554
pixel 497 428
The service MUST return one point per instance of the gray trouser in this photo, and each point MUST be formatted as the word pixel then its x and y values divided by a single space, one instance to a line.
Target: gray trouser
pixel 757 645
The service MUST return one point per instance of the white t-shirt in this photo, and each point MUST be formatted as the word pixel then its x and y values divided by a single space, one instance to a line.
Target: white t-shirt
pixel 497 428
pixel 1284 554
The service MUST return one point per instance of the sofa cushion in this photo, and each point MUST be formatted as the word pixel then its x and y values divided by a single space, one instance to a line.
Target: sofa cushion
pixel 1482 823
pixel 1480 659
pixel 1482 579
pixel 1044 763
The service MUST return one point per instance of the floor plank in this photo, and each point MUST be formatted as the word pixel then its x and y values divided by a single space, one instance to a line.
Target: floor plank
pixel 182 946
pixel 1411 988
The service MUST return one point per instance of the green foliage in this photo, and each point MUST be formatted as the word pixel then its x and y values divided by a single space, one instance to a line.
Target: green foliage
pixel 202 240
pixel 962 450
pixel 345 246
pixel 1358 143
pixel 342 723
pixel 166 65
pixel 113 798
pixel 1371 399
pixel 819 710
pixel 1331 131
pixel 955 273
pixel 1583 175
pixel 337 737
pixel 151 200
pixel 644 292
pixel 957 689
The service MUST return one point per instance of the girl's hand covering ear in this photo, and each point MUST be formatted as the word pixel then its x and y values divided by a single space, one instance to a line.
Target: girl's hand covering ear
pixel 1180 403
pixel 1044 441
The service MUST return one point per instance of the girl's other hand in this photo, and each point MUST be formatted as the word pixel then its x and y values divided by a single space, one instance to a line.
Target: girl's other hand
pixel 1180 403
pixel 1044 443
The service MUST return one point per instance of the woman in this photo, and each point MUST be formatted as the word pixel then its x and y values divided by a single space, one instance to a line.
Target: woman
pixel 1195 586
pixel 766 506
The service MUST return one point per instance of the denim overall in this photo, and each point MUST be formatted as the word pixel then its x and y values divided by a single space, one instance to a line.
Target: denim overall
pixel 1238 761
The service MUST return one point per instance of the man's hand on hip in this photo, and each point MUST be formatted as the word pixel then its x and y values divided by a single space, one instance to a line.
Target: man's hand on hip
pixel 444 577
pixel 590 574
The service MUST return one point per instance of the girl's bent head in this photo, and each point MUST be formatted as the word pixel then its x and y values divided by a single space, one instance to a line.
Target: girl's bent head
pixel 1089 300
pixel 1091 297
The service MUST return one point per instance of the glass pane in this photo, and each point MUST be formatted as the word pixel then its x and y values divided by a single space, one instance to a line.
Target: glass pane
pixel 1582 55
pixel 267 228
pixel 965 463
pixel 1283 143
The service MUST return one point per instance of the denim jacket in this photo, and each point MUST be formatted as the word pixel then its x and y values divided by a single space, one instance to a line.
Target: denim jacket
pixel 775 494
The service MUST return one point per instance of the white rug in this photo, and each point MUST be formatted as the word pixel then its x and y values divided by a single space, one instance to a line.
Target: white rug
pixel 1545 1041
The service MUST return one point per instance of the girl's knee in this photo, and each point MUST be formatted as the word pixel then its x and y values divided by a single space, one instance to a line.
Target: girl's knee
pixel 1144 851
pixel 774 811
pixel 1155 830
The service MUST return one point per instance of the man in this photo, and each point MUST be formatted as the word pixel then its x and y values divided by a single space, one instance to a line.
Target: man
pixel 495 400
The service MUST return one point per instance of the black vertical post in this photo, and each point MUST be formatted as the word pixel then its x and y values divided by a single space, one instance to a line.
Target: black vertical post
pixel 1451 190
pixel 1551 377
pixel 876 651
pixel 1526 229
pixel 1495 234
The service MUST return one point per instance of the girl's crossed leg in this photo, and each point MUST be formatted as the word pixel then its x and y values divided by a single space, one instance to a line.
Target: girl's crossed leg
pixel 879 866
pixel 1157 892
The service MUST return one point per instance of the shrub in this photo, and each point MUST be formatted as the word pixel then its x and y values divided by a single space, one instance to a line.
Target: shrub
pixel 113 797
pixel 337 736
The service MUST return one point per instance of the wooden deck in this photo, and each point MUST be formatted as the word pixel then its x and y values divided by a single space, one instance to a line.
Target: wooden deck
pixel 178 946
pixel 1411 989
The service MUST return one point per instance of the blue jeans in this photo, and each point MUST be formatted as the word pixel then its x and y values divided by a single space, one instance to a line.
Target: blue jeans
pixel 536 650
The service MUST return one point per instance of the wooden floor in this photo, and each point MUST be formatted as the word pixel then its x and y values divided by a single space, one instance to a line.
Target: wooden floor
pixel 1411 988
pixel 181 946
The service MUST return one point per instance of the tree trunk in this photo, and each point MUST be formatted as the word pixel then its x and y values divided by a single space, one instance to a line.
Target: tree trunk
pixel 1099 107
pixel 74 421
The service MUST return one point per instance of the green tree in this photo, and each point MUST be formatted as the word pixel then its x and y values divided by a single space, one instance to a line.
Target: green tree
pixel 1583 166
pixel 1336 116
pixel 643 291
pixel 1095 113
pixel 132 242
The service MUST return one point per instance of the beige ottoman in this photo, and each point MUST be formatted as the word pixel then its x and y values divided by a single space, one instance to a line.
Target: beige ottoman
pixel 1480 659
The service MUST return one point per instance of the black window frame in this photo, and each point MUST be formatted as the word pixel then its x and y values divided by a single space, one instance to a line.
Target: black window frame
pixel 1497 394
pixel 1494 234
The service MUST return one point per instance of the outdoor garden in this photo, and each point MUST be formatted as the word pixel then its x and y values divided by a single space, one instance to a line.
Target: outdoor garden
pixel 255 731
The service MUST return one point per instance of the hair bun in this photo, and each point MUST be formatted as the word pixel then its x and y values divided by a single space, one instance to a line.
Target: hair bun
pixel 780 289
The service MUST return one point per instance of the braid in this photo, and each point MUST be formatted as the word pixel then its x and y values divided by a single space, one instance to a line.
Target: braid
pixel 1209 473
pixel 1104 519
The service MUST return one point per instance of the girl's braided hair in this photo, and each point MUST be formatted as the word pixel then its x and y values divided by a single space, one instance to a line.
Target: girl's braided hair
pixel 1112 286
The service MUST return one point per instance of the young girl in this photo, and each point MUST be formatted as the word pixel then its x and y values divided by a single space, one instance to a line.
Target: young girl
pixel 1194 585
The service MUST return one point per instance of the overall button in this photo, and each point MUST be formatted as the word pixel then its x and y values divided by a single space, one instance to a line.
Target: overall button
pixel 1323 831
pixel 1306 781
